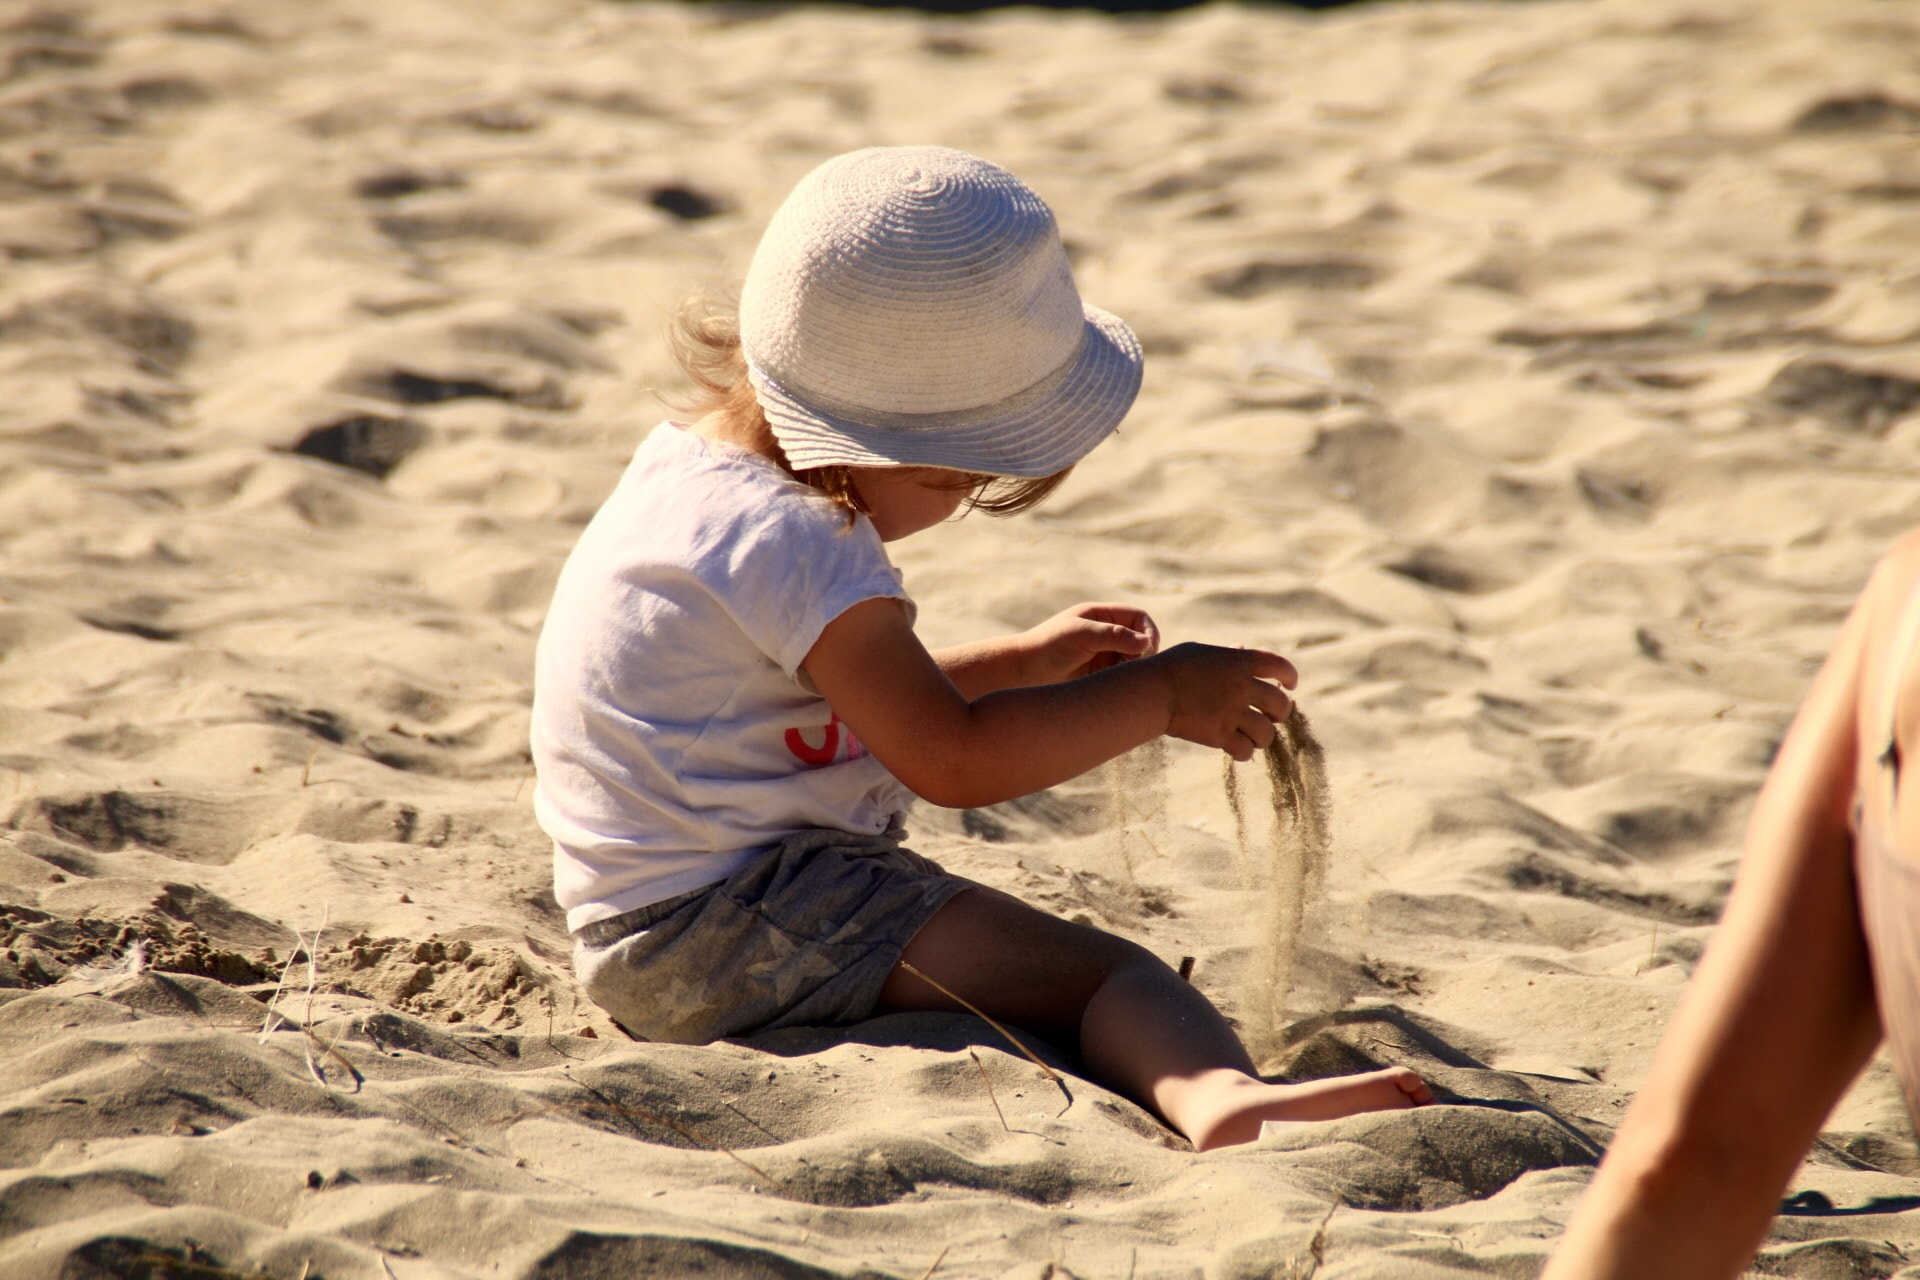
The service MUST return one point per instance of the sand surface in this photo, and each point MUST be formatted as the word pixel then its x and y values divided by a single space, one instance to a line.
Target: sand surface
pixel 1542 377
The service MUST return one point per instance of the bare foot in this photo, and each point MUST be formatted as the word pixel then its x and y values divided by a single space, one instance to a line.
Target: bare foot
pixel 1222 1108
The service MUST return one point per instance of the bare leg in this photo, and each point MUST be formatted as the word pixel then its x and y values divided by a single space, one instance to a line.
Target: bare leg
pixel 1140 1029
pixel 1780 1015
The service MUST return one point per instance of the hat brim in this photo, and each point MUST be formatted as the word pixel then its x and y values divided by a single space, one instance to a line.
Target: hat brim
pixel 1037 432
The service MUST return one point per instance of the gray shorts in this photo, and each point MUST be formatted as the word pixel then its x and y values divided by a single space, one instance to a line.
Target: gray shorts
pixel 804 935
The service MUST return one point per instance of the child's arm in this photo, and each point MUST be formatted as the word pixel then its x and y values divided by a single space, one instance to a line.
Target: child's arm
pixel 1076 642
pixel 1776 1022
pixel 962 753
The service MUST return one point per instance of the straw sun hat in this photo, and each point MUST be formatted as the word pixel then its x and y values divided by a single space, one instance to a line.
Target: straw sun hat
pixel 912 306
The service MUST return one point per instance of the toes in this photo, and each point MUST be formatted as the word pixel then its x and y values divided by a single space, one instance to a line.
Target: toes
pixel 1416 1089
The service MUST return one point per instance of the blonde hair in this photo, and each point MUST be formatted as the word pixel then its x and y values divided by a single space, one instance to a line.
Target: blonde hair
pixel 705 341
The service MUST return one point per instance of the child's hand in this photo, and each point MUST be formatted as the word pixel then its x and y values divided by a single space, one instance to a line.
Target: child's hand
pixel 1085 639
pixel 972 727
pixel 1227 698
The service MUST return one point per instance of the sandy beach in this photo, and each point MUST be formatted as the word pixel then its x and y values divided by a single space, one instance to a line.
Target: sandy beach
pixel 1543 378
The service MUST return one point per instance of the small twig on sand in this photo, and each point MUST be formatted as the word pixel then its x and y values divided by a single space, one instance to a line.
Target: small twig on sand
pixel 1186 968
pixel 981 1068
pixel 1133 1261
pixel 1012 1039
pixel 935 1264
pixel 388 1268
pixel 552 1005
pixel 1317 1247
pixel 306 770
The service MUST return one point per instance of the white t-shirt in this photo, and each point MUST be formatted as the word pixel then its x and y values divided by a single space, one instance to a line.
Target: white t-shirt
pixel 671 733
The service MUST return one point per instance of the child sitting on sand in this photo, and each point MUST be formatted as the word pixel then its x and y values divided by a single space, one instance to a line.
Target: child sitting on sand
pixel 1817 952
pixel 732 712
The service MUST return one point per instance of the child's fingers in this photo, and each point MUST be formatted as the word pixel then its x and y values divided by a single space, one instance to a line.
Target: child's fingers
pixel 1255 727
pixel 1151 629
pixel 1273 703
pixel 1271 666
pixel 1112 637
pixel 1135 623
pixel 1100 611
pixel 1220 698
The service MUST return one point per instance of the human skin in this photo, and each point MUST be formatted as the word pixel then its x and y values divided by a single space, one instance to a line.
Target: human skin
pixel 1780 1016
pixel 987 722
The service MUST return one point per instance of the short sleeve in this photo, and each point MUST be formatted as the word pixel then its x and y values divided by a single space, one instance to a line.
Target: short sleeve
pixel 795 566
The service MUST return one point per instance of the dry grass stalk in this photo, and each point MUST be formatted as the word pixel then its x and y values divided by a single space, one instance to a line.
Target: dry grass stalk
pixel 268 1027
pixel 1012 1039
pixel 686 1131
pixel 331 1051
pixel 750 1120
pixel 309 1041
pixel 300 944
pixel 935 1264
pixel 447 1133
pixel 1317 1247
pixel 991 1097
pixel 313 978
pixel 1296 863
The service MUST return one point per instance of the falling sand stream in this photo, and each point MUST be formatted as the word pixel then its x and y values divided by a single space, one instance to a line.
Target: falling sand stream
pixel 1294 868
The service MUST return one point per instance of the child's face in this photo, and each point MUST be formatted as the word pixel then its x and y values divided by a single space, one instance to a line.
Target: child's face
pixel 905 500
